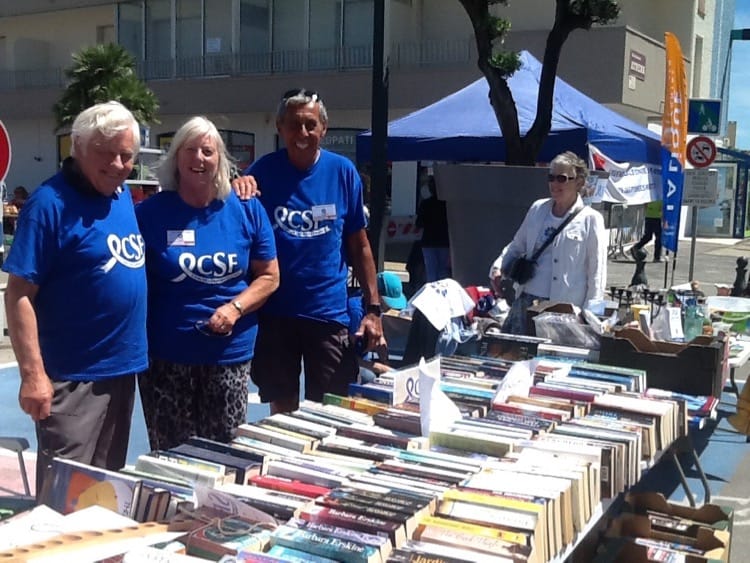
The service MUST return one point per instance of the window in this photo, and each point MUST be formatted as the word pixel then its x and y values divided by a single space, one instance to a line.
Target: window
pixel 255 26
pixel 702 8
pixel 158 38
pixel 130 27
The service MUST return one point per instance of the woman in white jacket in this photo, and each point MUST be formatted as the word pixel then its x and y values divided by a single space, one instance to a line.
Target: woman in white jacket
pixel 573 268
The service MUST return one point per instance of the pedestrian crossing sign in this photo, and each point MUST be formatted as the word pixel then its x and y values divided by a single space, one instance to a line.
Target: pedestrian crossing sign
pixel 704 116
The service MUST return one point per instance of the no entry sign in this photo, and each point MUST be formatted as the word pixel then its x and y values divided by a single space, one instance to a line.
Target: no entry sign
pixel 4 152
pixel 701 151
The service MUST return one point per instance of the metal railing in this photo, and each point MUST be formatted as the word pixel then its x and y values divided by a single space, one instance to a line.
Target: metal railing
pixel 403 55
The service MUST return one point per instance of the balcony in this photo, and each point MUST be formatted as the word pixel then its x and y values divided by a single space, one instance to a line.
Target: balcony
pixel 426 54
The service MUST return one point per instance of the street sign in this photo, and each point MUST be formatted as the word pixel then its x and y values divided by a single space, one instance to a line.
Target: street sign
pixel 5 152
pixel 701 151
pixel 704 116
pixel 701 188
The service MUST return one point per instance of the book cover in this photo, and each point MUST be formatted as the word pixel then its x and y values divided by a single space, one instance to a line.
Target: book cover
pixel 290 555
pixel 422 552
pixel 385 438
pixel 399 421
pixel 472 441
pixel 72 486
pixel 361 506
pixel 293 486
pixel 378 541
pixel 171 469
pixel 357 448
pixel 242 467
pixel 358 404
pixel 480 544
pixel 380 393
pixel 276 437
pixel 288 422
pixel 230 449
pixel 347 519
pixel 226 536
pixel 325 545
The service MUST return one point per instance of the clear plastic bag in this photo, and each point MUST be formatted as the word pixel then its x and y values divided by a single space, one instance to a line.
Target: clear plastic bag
pixel 567 330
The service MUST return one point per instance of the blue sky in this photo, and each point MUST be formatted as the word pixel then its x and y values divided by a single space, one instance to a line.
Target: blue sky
pixel 739 86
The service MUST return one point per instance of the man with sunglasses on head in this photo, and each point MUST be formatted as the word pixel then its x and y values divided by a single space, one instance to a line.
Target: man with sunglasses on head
pixel 76 297
pixel 566 242
pixel 314 201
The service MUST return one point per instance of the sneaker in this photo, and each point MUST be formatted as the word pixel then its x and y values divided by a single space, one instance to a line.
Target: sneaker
pixel 659 259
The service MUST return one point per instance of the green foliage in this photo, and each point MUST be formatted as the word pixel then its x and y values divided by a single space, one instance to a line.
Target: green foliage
pixel 100 74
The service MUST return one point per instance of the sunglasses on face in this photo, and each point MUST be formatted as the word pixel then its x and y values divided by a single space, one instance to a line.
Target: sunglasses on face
pixel 312 94
pixel 561 178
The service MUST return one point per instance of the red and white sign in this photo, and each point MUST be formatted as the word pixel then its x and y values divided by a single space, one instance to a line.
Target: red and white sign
pixel 402 229
pixel 4 152
pixel 701 151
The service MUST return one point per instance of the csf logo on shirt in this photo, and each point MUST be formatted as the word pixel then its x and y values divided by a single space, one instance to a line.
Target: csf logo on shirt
pixel 212 269
pixel 304 224
pixel 127 250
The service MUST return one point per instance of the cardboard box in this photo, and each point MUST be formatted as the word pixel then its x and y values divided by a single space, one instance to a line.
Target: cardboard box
pixel 713 543
pixel 699 367
pixel 625 550
pixel 712 515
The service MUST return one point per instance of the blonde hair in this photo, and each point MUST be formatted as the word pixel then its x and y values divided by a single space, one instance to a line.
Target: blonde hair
pixel 107 119
pixel 198 126
pixel 569 158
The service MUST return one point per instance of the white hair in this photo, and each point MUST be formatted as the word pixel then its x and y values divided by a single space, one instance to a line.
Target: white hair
pixel 107 119
pixel 198 126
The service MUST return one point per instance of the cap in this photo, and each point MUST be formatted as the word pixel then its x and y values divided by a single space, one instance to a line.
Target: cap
pixel 391 290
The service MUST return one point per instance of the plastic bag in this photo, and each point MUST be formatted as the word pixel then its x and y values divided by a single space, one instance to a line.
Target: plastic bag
pixel 565 329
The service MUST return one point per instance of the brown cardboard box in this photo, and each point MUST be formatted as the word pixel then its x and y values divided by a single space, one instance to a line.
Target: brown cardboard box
pixel 713 515
pixel 699 367
pixel 713 543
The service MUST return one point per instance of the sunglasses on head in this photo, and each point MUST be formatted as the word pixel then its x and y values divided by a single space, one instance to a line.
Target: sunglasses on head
pixel 561 178
pixel 312 94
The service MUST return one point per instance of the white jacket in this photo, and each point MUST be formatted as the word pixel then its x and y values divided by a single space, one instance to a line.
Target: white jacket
pixel 579 253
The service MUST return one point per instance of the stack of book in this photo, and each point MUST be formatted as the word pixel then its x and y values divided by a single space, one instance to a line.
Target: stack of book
pixel 73 486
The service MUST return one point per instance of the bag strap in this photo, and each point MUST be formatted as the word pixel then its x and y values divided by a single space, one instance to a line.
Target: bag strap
pixel 552 236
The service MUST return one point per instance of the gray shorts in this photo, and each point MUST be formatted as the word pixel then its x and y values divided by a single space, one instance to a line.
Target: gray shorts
pixel 89 422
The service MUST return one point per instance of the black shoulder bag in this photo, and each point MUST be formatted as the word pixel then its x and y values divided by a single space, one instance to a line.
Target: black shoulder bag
pixel 523 269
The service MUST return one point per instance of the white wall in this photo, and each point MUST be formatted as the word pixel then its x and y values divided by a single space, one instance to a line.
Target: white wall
pixel 64 33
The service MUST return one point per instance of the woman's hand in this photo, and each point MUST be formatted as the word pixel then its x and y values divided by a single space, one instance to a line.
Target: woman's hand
pixel 245 187
pixel 224 319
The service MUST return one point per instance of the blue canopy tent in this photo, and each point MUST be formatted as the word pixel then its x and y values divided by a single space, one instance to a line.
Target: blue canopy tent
pixel 462 127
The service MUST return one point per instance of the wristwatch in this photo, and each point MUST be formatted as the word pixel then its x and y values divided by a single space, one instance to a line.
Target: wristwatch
pixel 374 309
pixel 237 305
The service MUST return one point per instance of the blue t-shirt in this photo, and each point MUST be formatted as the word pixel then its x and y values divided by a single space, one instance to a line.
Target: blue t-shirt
pixel 196 261
pixel 85 253
pixel 312 213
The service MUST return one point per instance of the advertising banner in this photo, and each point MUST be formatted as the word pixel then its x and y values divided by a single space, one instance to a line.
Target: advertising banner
pixel 673 140
pixel 621 182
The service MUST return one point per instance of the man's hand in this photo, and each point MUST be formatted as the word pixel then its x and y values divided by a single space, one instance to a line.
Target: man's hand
pixel 245 187
pixel 35 396
pixel 371 329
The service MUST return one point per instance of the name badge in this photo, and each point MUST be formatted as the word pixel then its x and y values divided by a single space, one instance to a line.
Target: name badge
pixel 324 212
pixel 181 238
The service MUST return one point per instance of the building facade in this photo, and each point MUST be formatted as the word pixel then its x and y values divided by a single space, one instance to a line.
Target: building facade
pixel 231 59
